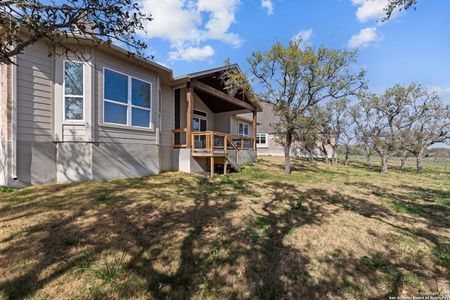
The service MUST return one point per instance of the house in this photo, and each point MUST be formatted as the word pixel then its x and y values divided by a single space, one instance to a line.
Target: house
pixel 113 115
pixel 266 141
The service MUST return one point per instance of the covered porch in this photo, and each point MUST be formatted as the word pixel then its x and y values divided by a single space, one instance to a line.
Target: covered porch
pixel 209 123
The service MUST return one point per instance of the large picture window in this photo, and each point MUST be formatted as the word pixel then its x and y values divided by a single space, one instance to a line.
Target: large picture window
pixel 73 86
pixel 127 100
pixel 243 129
pixel 261 139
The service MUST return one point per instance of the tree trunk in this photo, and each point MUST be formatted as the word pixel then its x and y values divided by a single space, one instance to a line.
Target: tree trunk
pixel 287 160
pixel 334 156
pixel 369 162
pixel 368 156
pixel 419 161
pixel 287 153
pixel 384 166
pixel 402 162
pixel 347 151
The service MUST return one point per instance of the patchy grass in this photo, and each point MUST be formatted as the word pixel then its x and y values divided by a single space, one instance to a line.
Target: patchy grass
pixel 5 189
pixel 323 232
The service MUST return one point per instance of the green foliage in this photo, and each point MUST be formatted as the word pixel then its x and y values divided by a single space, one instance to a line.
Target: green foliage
pixel 295 78
pixel 110 269
pixel 85 261
pixel 441 256
pixel 102 22
pixel 394 5
pixel 5 189
pixel 380 264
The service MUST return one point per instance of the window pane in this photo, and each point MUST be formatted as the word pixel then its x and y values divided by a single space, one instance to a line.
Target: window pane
pixel 115 113
pixel 73 78
pixel 74 108
pixel 140 94
pixel 140 117
pixel 263 139
pixel 243 129
pixel 202 125
pixel 116 86
pixel 196 124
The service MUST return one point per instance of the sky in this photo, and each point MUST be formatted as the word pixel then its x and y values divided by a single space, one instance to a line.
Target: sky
pixel 414 46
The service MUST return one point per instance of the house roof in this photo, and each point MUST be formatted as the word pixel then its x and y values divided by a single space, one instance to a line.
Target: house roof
pixel 166 74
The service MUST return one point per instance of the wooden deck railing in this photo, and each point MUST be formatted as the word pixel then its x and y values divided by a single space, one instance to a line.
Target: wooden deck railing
pixel 211 141
pixel 179 138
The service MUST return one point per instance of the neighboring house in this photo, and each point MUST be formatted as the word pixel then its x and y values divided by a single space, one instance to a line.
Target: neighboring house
pixel 115 116
pixel 266 142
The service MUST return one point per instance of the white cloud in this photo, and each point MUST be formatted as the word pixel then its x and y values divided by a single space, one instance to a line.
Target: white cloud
pixel 370 9
pixel 364 38
pixel 443 92
pixel 186 24
pixel 192 53
pixel 267 5
pixel 304 35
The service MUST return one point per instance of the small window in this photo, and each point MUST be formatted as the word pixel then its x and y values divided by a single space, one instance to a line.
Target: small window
pixel 200 113
pixel 73 91
pixel 243 129
pixel 261 139
pixel 127 100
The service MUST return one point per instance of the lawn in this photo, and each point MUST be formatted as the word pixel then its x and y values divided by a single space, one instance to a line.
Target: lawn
pixel 324 232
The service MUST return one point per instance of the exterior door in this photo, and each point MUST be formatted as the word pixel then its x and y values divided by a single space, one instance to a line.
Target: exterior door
pixel 199 123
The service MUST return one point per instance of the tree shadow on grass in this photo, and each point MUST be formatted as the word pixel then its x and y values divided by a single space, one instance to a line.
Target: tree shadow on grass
pixel 181 239
pixel 110 209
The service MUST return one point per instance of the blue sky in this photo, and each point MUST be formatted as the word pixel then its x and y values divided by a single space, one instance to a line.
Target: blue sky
pixel 193 35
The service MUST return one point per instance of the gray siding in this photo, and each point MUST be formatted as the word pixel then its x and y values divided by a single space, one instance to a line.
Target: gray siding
pixel 36 152
pixel 34 94
pixel 222 122
pixel 4 172
pixel 168 114
pixel 200 105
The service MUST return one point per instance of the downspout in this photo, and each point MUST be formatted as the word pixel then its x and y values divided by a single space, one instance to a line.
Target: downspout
pixel 14 120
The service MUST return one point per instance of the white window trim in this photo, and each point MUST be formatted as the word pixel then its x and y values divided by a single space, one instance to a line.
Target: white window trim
pixel 248 129
pixel 70 121
pixel 129 104
pixel 266 145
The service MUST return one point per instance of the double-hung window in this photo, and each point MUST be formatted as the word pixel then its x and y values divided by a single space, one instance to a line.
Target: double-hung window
pixel 126 100
pixel 73 85
pixel 261 139
pixel 243 129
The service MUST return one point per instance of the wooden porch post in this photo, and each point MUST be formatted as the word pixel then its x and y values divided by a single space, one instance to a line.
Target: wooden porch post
pixel 188 115
pixel 254 130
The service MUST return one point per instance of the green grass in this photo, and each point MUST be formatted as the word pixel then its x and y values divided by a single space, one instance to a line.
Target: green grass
pixel 5 189
pixel 323 232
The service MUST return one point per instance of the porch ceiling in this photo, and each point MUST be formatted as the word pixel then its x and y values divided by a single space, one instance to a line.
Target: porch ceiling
pixel 215 104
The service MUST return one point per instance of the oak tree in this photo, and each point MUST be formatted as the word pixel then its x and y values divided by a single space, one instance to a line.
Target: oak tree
pixel 91 22
pixel 296 77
